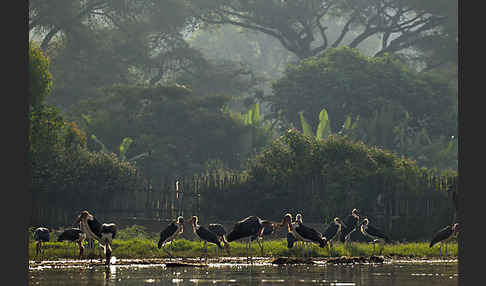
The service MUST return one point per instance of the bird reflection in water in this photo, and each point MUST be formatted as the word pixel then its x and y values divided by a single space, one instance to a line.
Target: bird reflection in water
pixel 109 273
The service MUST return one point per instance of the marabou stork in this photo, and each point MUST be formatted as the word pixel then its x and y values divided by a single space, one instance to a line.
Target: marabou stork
pixel 103 233
pixel 167 235
pixel 74 235
pixel 247 227
pixel 445 235
pixel 333 231
pixel 269 228
pixel 373 233
pixel 205 234
pixel 219 230
pixel 304 233
pixel 41 234
pixel 352 222
pixel 290 239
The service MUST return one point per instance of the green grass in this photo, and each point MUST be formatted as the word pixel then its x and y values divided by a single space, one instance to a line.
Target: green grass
pixel 136 242
pixel 147 248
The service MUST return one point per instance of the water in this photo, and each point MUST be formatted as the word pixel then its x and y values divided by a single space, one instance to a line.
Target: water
pixel 394 273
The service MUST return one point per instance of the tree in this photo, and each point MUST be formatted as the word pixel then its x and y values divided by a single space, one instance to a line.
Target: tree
pixel 40 79
pixel 60 163
pixel 439 50
pixel 380 90
pixel 99 43
pixel 184 131
pixel 301 26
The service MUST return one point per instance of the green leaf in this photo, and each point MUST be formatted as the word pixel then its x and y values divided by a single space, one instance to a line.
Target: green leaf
pixel 324 127
pixel 249 117
pixel 347 123
pixel 127 141
pixel 306 128
pixel 323 115
pixel 321 128
pixel 256 113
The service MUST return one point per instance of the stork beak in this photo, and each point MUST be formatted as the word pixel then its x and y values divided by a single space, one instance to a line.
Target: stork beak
pixel 189 220
pixel 343 224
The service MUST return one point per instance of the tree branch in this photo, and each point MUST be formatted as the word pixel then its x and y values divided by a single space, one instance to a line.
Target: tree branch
pixel 344 31
pixel 48 38
pixel 278 36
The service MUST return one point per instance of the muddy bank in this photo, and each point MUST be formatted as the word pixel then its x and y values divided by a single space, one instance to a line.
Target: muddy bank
pixel 231 261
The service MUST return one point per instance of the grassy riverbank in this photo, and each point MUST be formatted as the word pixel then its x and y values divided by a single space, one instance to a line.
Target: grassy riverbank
pixel 135 242
pixel 147 248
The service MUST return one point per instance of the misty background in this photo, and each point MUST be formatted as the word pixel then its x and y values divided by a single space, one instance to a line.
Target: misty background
pixel 143 93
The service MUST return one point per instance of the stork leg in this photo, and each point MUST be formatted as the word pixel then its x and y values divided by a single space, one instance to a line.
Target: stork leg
pixel 81 249
pixel 260 243
pixel 108 252
pixel 37 248
pixel 249 248
pixel 166 251
pixel 249 255
pixel 206 250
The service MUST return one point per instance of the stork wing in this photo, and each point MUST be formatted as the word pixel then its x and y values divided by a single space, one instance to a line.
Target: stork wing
pixel 268 227
pixel 71 234
pixel 109 228
pixel 244 228
pixel 95 226
pixel 42 234
pixel 308 233
pixel 217 228
pixel 208 235
pixel 167 233
pixel 330 231
pixel 441 235
pixel 377 232
pixel 351 223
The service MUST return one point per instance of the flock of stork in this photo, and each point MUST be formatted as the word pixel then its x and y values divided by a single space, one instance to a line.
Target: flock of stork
pixel 250 228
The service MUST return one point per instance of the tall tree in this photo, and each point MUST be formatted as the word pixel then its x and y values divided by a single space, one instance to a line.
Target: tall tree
pixel 99 43
pixel 301 26
pixel 381 90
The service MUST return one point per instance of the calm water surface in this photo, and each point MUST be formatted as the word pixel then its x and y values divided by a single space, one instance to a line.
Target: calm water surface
pixel 396 273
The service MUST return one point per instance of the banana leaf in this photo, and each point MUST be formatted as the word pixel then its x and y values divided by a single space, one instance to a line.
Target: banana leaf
pixel 306 128
pixel 324 127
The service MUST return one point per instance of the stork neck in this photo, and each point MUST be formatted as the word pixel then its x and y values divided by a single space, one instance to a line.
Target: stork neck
pixel 83 225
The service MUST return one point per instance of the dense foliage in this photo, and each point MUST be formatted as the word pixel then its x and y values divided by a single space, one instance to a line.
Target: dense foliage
pixel 378 90
pixel 40 79
pixel 326 178
pixel 61 164
pixel 183 132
